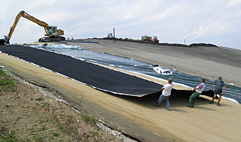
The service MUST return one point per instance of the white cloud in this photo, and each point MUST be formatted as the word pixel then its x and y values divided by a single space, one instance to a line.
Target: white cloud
pixel 234 2
pixel 172 21
pixel 36 4
pixel 209 30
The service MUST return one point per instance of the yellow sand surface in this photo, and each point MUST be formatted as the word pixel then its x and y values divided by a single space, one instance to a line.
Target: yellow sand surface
pixel 206 122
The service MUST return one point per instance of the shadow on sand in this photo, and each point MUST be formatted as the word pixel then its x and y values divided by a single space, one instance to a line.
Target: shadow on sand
pixel 179 98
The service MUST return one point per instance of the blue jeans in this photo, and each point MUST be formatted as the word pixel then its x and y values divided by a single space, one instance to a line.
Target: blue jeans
pixel 162 98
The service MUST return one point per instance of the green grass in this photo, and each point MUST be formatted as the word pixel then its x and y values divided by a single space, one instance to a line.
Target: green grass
pixel 90 119
pixel 45 104
pixel 55 134
pixel 39 99
pixel 37 138
pixel 61 127
pixel 8 137
pixel 44 128
pixel 94 133
pixel 6 82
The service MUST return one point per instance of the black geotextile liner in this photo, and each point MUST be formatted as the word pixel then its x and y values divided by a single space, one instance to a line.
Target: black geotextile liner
pixel 187 92
pixel 93 75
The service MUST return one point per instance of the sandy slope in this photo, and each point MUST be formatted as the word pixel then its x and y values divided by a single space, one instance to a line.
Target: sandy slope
pixel 138 117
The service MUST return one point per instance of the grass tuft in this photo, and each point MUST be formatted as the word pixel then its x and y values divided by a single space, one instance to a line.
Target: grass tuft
pixel 45 104
pixel 90 119
pixel 8 137
pixel 39 99
pixel 6 82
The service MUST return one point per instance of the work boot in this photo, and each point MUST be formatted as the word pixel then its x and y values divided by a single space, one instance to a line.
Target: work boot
pixel 218 104
pixel 156 105
pixel 190 106
pixel 211 102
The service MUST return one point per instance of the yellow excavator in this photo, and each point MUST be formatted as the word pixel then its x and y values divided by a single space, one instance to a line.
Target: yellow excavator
pixel 52 33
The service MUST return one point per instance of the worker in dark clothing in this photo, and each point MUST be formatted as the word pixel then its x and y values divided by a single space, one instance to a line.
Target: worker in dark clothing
pixel 218 85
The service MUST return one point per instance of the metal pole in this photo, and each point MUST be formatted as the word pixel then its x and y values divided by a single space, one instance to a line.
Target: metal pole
pixel 114 33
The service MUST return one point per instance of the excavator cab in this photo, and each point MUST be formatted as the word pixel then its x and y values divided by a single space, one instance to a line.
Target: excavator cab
pixel 53 31
pixel 53 34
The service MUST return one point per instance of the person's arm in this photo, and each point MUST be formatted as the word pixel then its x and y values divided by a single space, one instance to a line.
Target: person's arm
pixel 194 89
pixel 224 88
pixel 162 88
pixel 198 87
pixel 213 86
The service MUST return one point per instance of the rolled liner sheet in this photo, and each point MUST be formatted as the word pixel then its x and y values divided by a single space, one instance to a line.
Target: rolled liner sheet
pixel 98 77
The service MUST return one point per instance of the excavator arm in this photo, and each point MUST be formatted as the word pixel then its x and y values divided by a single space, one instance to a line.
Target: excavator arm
pixel 51 31
pixel 29 17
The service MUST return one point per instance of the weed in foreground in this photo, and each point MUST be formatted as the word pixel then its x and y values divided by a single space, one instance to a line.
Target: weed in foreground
pixel 9 137
pixel 94 133
pixel 56 134
pixel 6 82
pixel 39 99
pixel 45 104
pixel 90 119
pixel 37 137
pixel 61 127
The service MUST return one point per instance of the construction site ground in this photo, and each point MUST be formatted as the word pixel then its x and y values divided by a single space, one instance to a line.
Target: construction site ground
pixel 29 113
pixel 138 118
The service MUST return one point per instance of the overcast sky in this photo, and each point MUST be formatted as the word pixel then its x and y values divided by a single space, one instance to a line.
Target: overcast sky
pixel 197 21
